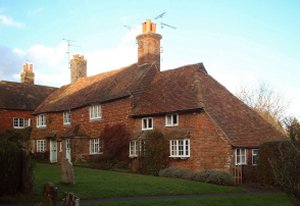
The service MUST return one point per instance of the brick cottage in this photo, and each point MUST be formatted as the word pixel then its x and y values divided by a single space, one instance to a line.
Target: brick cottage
pixel 208 128
pixel 19 100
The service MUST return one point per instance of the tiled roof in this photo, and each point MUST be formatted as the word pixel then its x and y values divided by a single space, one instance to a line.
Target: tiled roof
pixel 171 91
pixel 182 89
pixel 95 89
pixel 190 87
pixel 21 96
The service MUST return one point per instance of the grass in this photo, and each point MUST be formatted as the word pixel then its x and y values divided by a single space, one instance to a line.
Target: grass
pixel 92 184
pixel 245 200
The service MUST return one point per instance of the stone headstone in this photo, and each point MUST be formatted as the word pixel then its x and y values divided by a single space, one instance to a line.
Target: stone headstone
pixel 49 195
pixel 67 172
pixel 70 199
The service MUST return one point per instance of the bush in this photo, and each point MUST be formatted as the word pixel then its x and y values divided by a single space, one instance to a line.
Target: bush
pixel 216 177
pixel 209 176
pixel 154 156
pixel 114 140
pixel 10 161
pixel 279 164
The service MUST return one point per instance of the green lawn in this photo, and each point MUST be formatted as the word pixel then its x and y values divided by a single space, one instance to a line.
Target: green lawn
pixel 91 184
pixel 245 200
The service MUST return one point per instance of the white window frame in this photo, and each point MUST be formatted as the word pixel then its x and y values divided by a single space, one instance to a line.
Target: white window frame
pixel 67 117
pixel 41 121
pixel 60 146
pixel 41 145
pixel 135 148
pixel 170 120
pixel 95 146
pixel 180 148
pixel 254 154
pixel 95 112
pixel 240 156
pixel 147 125
pixel 17 123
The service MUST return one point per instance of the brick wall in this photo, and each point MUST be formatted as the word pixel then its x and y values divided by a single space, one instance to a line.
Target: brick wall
pixel 6 118
pixel 209 149
pixel 112 113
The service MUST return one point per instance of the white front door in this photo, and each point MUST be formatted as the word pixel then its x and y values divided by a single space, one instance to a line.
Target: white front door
pixel 68 149
pixel 53 151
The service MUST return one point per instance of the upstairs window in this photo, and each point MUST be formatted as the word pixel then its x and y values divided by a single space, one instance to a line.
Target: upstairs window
pixel 147 123
pixel 172 120
pixel 20 123
pixel 67 117
pixel 95 147
pixel 254 156
pixel 40 145
pixel 95 112
pixel 240 156
pixel 41 121
pixel 180 148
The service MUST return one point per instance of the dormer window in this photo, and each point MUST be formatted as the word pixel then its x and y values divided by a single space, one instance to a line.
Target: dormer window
pixel 95 112
pixel 147 123
pixel 41 121
pixel 172 120
pixel 67 117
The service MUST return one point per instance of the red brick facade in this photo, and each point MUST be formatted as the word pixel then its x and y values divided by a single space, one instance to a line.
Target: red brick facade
pixel 7 116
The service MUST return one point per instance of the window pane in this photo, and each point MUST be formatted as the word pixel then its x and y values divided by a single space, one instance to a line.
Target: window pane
pixel 149 123
pixel 175 119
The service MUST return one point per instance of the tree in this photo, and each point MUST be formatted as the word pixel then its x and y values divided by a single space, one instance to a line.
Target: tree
pixel 265 101
pixel 293 128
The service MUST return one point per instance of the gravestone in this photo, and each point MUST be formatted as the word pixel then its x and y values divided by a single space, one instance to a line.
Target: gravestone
pixel 70 199
pixel 49 195
pixel 67 172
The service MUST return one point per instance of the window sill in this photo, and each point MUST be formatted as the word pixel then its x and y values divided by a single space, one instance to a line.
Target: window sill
pixel 67 124
pixel 95 119
pixel 19 127
pixel 147 129
pixel 41 127
pixel 96 153
pixel 180 157
pixel 133 156
pixel 175 125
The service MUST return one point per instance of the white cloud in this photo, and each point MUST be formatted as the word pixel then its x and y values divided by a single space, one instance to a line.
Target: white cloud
pixel 8 21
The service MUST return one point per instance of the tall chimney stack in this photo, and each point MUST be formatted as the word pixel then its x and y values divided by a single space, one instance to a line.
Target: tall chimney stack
pixel 78 67
pixel 149 44
pixel 27 75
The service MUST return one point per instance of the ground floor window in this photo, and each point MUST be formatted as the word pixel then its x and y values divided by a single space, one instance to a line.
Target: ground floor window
pixel 41 145
pixel 135 148
pixel 95 146
pixel 254 156
pixel 240 156
pixel 180 148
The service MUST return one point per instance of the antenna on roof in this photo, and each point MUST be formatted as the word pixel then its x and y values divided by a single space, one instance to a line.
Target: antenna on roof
pixel 160 16
pixel 129 27
pixel 167 25
pixel 69 48
pixel 162 24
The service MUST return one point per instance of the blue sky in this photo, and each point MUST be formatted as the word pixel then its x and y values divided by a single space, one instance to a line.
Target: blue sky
pixel 240 42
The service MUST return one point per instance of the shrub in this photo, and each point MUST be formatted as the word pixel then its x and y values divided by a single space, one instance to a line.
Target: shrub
pixel 10 161
pixel 282 162
pixel 154 156
pixel 209 176
pixel 216 177
pixel 114 140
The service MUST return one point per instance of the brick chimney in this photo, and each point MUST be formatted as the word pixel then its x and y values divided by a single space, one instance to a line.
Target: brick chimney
pixel 78 67
pixel 149 44
pixel 27 75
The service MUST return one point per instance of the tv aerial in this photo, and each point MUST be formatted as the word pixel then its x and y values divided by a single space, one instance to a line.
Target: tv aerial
pixel 69 42
pixel 162 24
pixel 129 27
